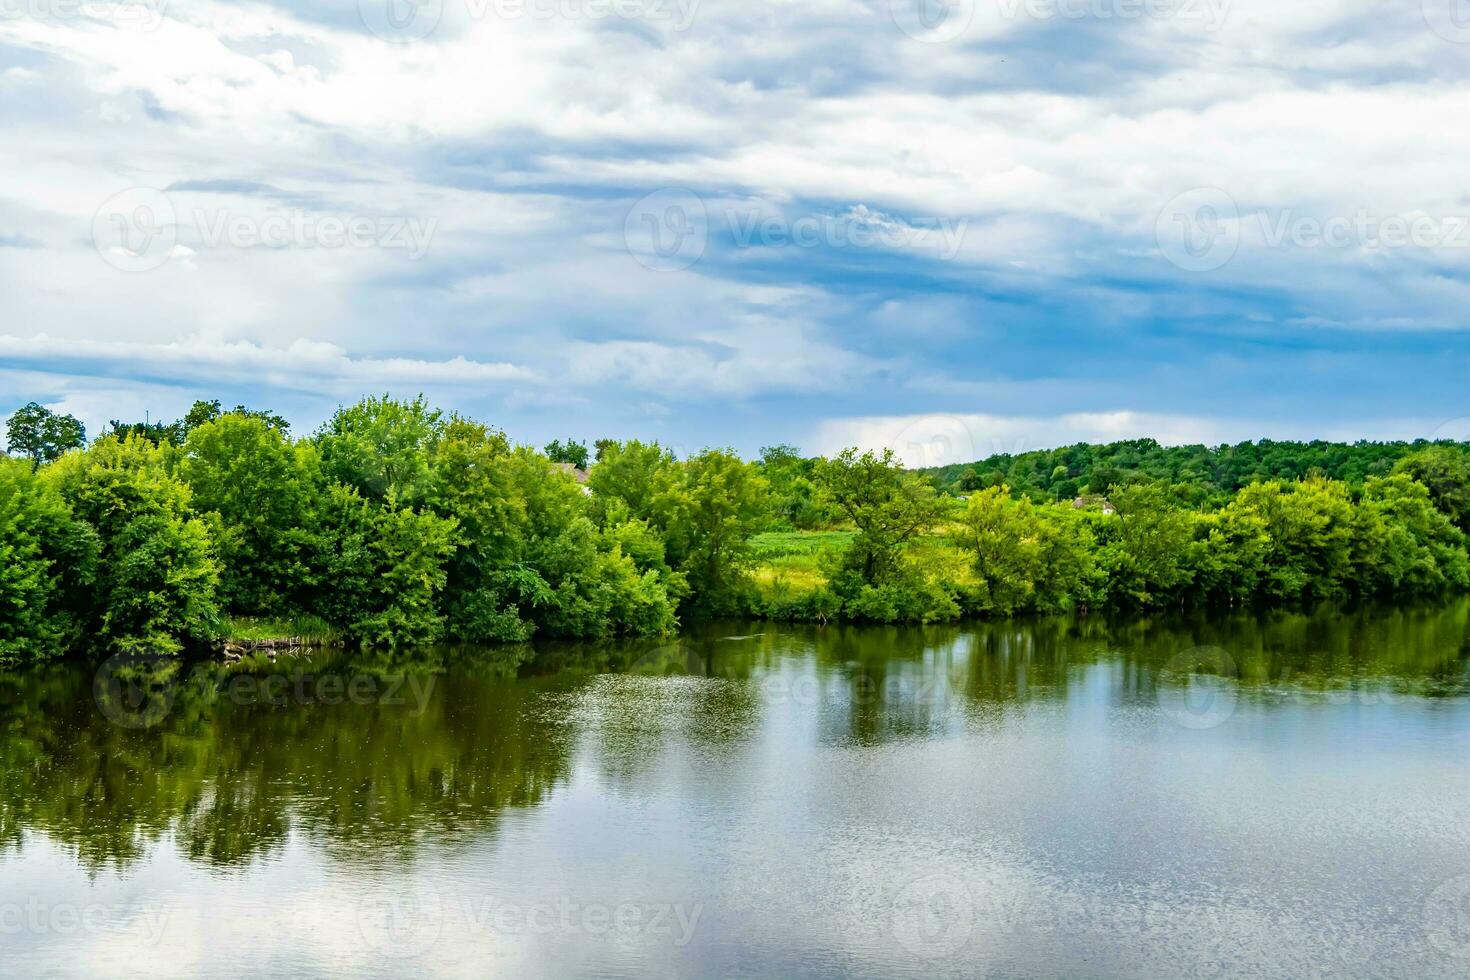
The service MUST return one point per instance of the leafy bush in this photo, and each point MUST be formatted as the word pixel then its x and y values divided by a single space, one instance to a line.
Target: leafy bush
pixel 382 568
pixel 155 590
pixel 47 560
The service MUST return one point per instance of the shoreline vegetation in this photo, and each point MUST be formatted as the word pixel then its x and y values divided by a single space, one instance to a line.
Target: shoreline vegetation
pixel 396 524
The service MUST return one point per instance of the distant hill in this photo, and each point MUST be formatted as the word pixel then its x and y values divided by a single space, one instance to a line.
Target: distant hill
pixel 1060 474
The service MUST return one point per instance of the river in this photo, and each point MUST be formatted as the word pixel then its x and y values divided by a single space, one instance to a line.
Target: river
pixel 1270 795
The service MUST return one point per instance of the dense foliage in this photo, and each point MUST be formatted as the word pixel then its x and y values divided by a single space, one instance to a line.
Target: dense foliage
pixel 397 524
pixel 1206 474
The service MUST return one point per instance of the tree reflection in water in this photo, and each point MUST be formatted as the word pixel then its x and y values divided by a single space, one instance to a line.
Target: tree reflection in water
pixel 437 744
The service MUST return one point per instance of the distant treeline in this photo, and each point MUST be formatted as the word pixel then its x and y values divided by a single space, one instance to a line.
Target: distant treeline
pixel 397 524
pixel 1208 473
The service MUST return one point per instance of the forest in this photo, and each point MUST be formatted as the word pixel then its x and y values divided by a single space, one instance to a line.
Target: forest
pixel 396 524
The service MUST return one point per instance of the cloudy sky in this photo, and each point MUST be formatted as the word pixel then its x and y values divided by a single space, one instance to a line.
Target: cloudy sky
pixel 951 226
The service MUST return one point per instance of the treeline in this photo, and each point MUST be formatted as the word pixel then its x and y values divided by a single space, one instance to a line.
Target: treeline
pixel 1210 473
pixel 397 524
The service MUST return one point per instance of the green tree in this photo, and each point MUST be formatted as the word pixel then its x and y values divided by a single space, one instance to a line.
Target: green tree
pixel 708 508
pixel 47 561
pixel 1309 527
pixel 1445 470
pixel 41 435
pixel 383 447
pixel 157 578
pixel 1027 557
pixel 258 489
pixel 474 484
pixel 628 473
pixel 796 499
pixel 569 452
pixel 204 412
pixel 886 504
pixel 1147 547
pixel 383 568
pixel 1403 544
pixel 571 580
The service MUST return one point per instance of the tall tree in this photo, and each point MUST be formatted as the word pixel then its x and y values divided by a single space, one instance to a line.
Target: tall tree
pixel 569 452
pixel 42 435
pixel 1445 470
pixel 886 504
pixel 383 448
pixel 708 509
pixel 257 488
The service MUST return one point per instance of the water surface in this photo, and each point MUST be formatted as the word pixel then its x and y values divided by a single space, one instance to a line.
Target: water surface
pixel 1280 796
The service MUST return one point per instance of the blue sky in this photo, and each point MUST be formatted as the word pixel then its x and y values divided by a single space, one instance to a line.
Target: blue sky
pixel 947 226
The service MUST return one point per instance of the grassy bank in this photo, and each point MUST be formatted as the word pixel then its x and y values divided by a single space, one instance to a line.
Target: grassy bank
pixel 249 631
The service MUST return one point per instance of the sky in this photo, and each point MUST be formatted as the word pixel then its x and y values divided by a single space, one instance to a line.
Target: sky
pixel 951 227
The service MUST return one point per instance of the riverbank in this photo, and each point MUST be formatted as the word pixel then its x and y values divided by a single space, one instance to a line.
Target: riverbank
pixel 272 638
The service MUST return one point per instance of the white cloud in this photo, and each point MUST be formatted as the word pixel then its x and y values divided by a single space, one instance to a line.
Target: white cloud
pixel 755 356
pixel 302 362
pixel 525 137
